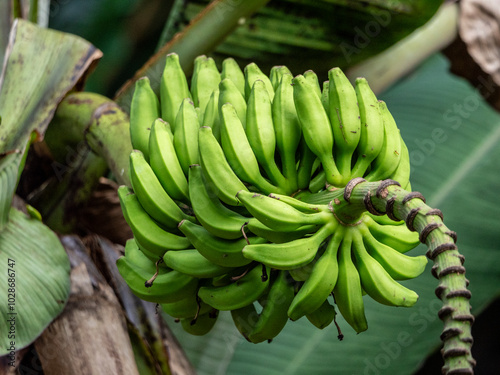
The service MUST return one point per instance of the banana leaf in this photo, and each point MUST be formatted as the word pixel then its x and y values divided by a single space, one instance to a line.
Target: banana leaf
pixel 36 280
pixel 454 143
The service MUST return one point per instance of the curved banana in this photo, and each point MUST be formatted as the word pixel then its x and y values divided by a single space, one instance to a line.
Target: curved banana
pixel 300 205
pixel 260 133
pixel 164 162
pixel 398 237
pixel 238 151
pixel 210 212
pixel 238 294
pixel 173 89
pixel 286 128
pixel 168 286
pixel 377 282
pixel 389 157
pixel 323 315
pixel 252 74
pixel 186 307
pixel 402 172
pixel 345 120
pixel 261 230
pixel 347 292
pixel 227 253
pixel 151 195
pixel 211 115
pixel 144 110
pixel 204 81
pixel 273 316
pixel 138 259
pixel 316 127
pixel 279 215
pixel 244 319
pixel 232 71
pixel 192 263
pixel 201 324
pixel 320 282
pixel 229 93
pixel 147 232
pixel 216 169
pixel 372 128
pixel 397 265
pixel 289 255
pixel 186 135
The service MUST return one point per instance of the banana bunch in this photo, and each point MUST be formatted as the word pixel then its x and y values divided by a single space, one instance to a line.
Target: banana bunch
pixel 222 174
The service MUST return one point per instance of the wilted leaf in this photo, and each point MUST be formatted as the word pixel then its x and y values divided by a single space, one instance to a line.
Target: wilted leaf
pixel 36 280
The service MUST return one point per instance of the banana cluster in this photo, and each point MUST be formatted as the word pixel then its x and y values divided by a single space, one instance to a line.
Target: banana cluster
pixel 223 172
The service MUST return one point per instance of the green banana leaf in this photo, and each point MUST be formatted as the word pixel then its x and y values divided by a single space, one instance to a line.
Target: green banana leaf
pixel 454 143
pixel 41 66
pixel 36 280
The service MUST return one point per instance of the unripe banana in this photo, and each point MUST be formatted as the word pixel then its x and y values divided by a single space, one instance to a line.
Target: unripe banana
pixel 316 127
pixel 144 110
pixel 186 135
pixel 186 307
pixel 322 316
pixel 289 255
pixel 252 74
pixel 210 212
pixel 201 324
pixel 146 231
pixel 306 163
pixel 398 237
pixel 211 115
pixel 245 319
pixel 164 162
pixel 238 294
pixel 155 201
pixel 228 93
pixel 347 292
pixel 216 169
pixel 312 78
pixel 137 258
pixel 278 215
pixel 276 74
pixel 260 133
pixel 402 172
pixel 321 281
pixel 205 80
pixel 286 128
pixel 191 262
pixel 325 96
pixel 232 71
pixel 389 157
pixel 344 117
pixel 375 280
pixel 173 89
pixel 261 230
pixel 372 128
pixel 227 253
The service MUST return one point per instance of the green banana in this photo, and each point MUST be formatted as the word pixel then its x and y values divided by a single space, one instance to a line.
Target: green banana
pixel 244 319
pixel 300 205
pixel 192 263
pixel 238 151
pixel 138 259
pixel 377 282
pixel 279 215
pixel 186 135
pixel 289 255
pixel 238 294
pixel 146 231
pixel 211 115
pixel 168 286
pixel 164 162
pixel 398 237
pixel 155 201
pixel 389 157
pixel 316 127
pixel 347 292
pixel 273 316
pixel 186 307
pixel 345 120
pixel 307 159
pixel 312 78
pixel 323 315
pixel 260 133
pixel 144 110
pixel 320 282
pixel 173 89
pixel 276 74
pixel 201 324
pixel 216 169
pixel 402 172
pixel 397 265
pixel 229 93
pixel 372 128
pixel 210 212
pixel 223 252
pixel 204 81
pixel 287 128
pixel 252 74
pixel 232 71
pixel 261 230
pixel 325 96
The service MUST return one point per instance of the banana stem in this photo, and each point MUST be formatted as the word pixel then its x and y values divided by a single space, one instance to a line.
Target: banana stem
pixel 387 197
